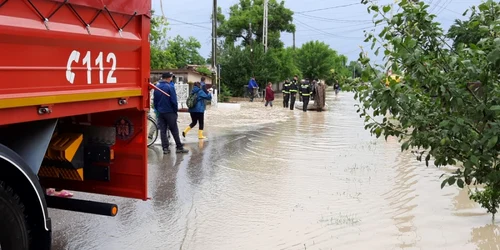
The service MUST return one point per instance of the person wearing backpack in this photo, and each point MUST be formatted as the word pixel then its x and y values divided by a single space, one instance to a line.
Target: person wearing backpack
pixel 196 105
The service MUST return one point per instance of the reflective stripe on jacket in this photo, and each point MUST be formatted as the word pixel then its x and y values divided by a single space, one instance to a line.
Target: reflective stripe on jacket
pixel 286 88
pixel 305 90
pixel 294 88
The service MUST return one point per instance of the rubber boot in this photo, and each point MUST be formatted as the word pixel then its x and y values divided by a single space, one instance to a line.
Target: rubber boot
pixel 200 135
pixel 184 133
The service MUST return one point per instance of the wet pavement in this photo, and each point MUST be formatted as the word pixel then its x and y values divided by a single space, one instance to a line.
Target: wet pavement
pixel 286 180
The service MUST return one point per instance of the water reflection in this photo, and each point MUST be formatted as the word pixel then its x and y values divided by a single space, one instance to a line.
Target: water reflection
pixel 486 237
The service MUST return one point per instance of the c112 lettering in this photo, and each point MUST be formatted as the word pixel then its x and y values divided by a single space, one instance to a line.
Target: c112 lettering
pixel 74 57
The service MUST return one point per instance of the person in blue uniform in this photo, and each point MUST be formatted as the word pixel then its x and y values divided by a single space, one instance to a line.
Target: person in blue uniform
pixel 167 107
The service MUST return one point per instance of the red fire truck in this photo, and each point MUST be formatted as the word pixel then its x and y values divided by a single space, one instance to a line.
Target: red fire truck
pixel 74 98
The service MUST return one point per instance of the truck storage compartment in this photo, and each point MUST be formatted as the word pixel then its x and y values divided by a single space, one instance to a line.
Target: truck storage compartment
pixel 83 59
pixel 85 63
pixel 113 157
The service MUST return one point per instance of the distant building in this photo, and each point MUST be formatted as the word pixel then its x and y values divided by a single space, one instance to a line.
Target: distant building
pixel 185 75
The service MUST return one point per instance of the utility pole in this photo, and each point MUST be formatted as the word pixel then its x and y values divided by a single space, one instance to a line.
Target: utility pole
pixel 293 40
pixel 264 31
pixel 214 47
pixel 251 44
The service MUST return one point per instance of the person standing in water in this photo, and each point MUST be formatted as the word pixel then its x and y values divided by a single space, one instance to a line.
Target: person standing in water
pixel 294 89
pixel 286 93
pixel 336 87
pixel 167 107
pixel 269 94
pixel 313 88
pixel 252 88
pixel 320 96
pixel 305 93
pixel 198 111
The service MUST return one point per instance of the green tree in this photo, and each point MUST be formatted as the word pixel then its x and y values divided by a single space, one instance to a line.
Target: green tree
pixel 240 63
pixel 355 68
pixel 158 31
pixel 316 60
pixel 435 108
pixel 204 70
pixel 160 57
pixel 171 53
pixel 287 63
pixel 251 11
pixel 470 31
pixel 185 51
pixel 235 68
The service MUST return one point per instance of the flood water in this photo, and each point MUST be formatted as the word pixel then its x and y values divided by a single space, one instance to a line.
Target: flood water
pixel 311 181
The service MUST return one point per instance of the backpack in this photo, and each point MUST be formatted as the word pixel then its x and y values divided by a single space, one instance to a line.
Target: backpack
pixel 192 99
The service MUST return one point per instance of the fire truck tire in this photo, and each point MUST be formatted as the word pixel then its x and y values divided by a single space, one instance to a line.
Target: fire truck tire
pixel 14 233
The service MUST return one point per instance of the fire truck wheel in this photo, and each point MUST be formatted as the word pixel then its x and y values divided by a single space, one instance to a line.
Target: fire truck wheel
pixel 14 233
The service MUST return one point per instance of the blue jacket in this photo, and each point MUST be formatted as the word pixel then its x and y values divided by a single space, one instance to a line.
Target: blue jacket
pixel 163 103
pixel 204 87
pixel 199 107
pixel 252 84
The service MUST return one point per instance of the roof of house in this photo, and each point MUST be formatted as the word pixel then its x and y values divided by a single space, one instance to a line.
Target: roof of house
pixel 179 71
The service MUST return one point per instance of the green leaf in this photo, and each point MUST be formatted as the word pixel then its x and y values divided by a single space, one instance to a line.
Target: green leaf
pixel 443 141
pixel 495 108
pixel 405 146
pixel 378 131
pixel 492 142
pixel 374 8
pixel 497 41
pixel 412 43
pixel 444 123
pixel 444 183
pixel 451 180
pixel 365 76
pixel 483 7
pixel 386 8
pixel 460 183
pixel 468 164
pixel 474 160
pixel 494 56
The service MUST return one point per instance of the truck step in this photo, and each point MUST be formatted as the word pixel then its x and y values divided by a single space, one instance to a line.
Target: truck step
pixel 83 206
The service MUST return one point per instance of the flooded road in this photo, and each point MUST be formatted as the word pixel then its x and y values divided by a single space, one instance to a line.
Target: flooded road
pixel 312 181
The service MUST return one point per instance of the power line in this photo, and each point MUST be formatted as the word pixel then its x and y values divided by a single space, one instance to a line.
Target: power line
pixel 349 52
pixel 189 23
pixel 334 20
pixel 351 30
pixel 443 7
pixel 328 8
pixel 186 23
pixel 435 5
pixel 335 28
pixel 324 32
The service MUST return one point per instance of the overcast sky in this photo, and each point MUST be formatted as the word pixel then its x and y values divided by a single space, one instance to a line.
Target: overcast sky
pixel 339 23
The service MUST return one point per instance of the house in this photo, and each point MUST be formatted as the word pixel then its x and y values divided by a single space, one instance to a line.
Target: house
pixel 184 79
pixel 185 75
